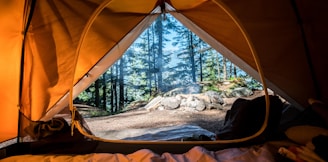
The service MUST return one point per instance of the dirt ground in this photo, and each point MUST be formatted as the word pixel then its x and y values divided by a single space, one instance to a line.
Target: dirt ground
pixel 210 120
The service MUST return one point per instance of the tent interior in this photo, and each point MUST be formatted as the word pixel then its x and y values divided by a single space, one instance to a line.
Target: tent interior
pixel 51 51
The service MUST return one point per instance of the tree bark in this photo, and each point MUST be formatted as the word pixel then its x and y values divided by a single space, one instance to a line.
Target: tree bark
pixel 121 84
pixel 224 62
pixel 192 57
pixel 104 96
pixel 97 95
pixel 159 27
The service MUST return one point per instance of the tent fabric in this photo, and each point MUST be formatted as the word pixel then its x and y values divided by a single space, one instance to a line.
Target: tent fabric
pixel 12 24
pixel 67 40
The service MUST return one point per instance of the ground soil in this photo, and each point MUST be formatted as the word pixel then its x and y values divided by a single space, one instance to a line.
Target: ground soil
pixel 210 120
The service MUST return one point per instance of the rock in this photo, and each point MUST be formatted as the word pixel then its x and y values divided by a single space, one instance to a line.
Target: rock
pixel 196 103
pixel 237 92
pixel 190 98
pixel 183 102
pixel 200 105
pixel 241 92
pixel 136 104
pixel 214 97
pixel 160 108
pixel 216 106
pixel 170 103
pixel 179 97
pixel 154 103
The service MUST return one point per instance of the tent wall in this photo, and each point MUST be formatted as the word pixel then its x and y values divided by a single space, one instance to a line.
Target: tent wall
pixel 101 66
pixel 276 32
pixel 11 29
pixel 53 39
pixel 50 48
pixel 313 18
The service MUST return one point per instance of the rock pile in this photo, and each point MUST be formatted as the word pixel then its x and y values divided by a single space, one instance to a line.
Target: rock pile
pixel 191 102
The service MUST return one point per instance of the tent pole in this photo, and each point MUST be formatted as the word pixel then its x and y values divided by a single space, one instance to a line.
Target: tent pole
pixel 259 68
pixel 77 53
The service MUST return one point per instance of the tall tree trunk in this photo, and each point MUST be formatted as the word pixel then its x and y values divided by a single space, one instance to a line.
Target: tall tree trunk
pixel 112 83
pixel 104 96
pixel 121 84
pixel 192 57
pixel 201 66
pixel 115 88
pixel 97 95
pixel 160 52
pixel 149 73
pixel 224 62
pixel 235 71
pixel 218 66
pixel 200 60
pixel 231 70
pixel 154 67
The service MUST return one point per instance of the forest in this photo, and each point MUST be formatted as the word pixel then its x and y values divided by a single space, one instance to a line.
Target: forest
pixel 166 56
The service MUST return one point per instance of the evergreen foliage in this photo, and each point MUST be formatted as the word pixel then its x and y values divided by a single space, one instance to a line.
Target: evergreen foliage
pixel 167 55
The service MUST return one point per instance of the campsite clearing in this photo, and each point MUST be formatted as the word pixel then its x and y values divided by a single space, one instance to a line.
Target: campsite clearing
pixel 210 120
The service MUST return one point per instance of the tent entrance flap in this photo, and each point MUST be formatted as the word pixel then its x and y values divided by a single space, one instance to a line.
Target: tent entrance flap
pixel 103 64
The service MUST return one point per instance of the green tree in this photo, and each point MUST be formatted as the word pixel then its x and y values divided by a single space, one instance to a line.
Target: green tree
pixel 147 68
